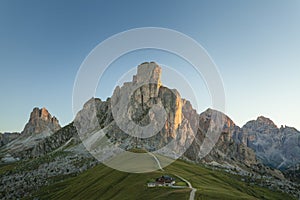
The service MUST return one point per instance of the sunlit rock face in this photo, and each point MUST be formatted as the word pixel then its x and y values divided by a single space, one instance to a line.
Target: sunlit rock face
pixel 148 73
pixel 177 124
pixel 150 94
pixel 41 125
pixel 41 120
pixel 183 129
pixel 177 127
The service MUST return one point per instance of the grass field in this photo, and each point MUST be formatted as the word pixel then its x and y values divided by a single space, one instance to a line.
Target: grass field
pixel 102 182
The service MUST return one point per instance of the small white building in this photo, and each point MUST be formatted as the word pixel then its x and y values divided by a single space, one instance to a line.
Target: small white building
pixel 166 181
pixel 151 184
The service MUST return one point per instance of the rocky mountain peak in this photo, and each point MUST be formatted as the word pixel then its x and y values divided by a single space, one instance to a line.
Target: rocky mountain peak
pixel 41 120
pixel 271 144
pixel 44 114
pixel 148 72
pixel 261 124
pixel 212 115
pixel 265 120
pixel 135 108
pixel 148 91
pixel 40 114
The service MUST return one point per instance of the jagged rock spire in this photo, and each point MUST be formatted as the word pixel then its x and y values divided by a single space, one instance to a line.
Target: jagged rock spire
pixel 41 120
pixel 148 73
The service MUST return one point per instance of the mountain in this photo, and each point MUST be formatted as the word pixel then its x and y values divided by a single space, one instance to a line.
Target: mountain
pixel 6 137
pixel 226 150
pixel 213 152
pixel 41 121
pixel 182 130
pixel 134 118
pixel 40 126
pixel 276 147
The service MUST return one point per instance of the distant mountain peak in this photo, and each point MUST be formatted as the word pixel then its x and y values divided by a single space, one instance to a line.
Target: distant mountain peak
pixel 262 123
pixel 41 120
pixel 40 114
pixel 265 120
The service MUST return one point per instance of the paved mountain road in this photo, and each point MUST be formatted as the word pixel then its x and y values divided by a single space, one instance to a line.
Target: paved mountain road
pixel 193 190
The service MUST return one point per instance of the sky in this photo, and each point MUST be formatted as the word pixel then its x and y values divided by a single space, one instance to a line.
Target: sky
pixel 255 45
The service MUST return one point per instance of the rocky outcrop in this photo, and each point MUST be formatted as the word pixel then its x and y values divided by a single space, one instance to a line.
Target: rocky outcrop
pixel 41 120
pixel 293 173
pixel 182 126
pixel 130 118
pixel 259 139
pixel 183 130
pixel 51 143
pixel 225 149
pixel 25 178
pixel 6 138
pixel 148 73
pixel 40 126
pixel 275 147
pixel 62 152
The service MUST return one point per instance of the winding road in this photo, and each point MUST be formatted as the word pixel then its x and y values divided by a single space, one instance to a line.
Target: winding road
pixel 156 159
pixel 193 190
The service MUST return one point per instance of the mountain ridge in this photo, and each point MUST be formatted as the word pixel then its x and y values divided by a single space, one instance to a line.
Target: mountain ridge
pixel 40 125
pixel 234 151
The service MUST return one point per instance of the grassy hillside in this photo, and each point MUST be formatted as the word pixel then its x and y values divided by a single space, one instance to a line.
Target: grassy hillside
pixel 102 182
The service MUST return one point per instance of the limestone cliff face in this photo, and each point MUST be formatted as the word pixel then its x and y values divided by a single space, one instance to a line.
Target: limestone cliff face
pixel 150 94
pixel 173 105
pixel 225 150
pixel 275 147
pixel 148 73
pixel 183 128
pixel 149 91
pixel 40 120
pixel 145 92
pixel 40 126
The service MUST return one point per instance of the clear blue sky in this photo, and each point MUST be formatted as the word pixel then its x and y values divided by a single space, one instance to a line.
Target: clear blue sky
pixel 255 44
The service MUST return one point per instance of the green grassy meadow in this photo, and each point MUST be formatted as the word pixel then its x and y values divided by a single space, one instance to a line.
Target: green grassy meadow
pixel 102 182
